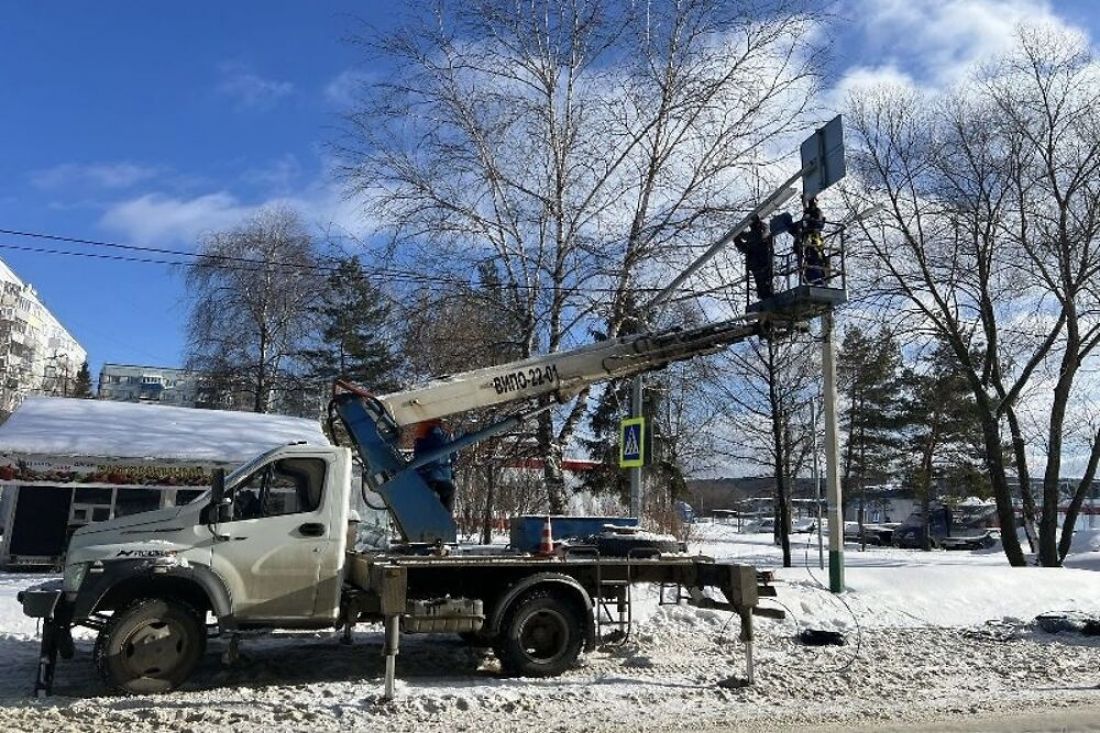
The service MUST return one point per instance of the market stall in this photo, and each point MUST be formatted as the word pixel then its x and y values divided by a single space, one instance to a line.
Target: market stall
pixel 67 462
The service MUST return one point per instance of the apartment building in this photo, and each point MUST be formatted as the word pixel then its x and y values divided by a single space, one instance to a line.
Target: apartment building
pixel 136 383
pixel 37 354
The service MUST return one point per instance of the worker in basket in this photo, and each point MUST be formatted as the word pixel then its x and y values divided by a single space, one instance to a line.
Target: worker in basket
pixel 430 436
pixel 756 245
pixel 809 244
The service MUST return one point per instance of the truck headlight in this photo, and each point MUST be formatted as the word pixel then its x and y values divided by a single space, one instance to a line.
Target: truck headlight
pixel 74 576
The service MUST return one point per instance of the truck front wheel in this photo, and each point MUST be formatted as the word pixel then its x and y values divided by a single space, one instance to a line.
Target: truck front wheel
pixel 542 636
pixel 152 645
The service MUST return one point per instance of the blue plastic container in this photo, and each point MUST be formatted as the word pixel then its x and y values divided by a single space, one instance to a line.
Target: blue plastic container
pixel 527 530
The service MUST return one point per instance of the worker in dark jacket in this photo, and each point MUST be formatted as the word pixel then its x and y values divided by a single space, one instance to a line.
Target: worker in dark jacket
pixel 439 475
pixel 756 245
pixel 810 244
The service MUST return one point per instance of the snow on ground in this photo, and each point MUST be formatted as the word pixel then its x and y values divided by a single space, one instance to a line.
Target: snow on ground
pixel 904 588
pixel 940 635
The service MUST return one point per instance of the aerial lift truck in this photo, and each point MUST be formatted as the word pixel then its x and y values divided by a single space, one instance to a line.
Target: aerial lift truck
pixel 266 546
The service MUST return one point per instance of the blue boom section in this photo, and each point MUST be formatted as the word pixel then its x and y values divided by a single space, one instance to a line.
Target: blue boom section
pixel 416 509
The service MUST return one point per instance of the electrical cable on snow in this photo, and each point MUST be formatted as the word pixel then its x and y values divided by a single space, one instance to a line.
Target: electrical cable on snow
pixel 855 619
pixel 859 631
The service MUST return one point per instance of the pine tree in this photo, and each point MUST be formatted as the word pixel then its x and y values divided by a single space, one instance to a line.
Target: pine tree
pixel 871 382
pixel 612 404
pixel 353 340
pixel 943 432
pixel 82 387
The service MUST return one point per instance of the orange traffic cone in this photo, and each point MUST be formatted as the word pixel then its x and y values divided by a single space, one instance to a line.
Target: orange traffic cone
pixel 546 544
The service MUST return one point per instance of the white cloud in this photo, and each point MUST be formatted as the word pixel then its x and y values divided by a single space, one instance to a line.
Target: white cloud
pixel 937 41
pixel 279 175
pixel 99 175
pixel 344 88
pixel 156 218
pixel 251 90
pixel 863 78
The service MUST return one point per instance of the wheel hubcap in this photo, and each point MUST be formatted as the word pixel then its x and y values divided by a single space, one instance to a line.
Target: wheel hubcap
pixel 155 650
pixel 544 635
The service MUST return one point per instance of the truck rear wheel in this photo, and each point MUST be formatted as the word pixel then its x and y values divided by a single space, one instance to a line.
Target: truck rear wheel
pixel 542 636
pixel 152 645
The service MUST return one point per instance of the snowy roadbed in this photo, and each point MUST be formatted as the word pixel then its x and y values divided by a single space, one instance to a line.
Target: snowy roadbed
pixel 664 679
pixel 938 635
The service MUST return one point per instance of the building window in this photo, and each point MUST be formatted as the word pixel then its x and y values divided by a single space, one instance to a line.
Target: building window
pixel 135 501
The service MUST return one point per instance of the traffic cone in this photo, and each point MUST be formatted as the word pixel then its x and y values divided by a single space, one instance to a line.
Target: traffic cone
pixel 546 544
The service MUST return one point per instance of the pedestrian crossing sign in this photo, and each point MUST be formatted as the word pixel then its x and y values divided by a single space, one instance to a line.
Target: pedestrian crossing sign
pixel 632 443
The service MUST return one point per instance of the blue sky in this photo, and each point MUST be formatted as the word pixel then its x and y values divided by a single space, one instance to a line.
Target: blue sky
pixel 149 123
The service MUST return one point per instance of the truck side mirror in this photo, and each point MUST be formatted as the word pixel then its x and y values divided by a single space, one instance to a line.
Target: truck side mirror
pixel 217 490
pixel 219 502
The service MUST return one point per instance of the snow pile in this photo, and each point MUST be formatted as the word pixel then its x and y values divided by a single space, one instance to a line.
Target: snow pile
pixel 891 587
pixel 98 428
pixel 13 624
pixel 943 596
pixel 1085 548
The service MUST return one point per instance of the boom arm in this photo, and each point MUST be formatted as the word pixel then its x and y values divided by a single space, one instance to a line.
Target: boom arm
pixel 563 374
pixel 374 423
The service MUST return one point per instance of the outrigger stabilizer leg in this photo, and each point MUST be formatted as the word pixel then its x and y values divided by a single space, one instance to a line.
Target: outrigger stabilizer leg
pixel 47 659
pixel 389 649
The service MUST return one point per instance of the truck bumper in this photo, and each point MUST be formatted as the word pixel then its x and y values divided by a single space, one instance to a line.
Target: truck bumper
pixel 41 601
pixel 47 602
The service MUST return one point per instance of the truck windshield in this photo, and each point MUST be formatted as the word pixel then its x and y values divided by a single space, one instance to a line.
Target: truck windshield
pixel 240 472
pixel 246 469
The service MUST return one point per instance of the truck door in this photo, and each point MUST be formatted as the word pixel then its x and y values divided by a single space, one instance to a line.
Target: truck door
pixel 279 539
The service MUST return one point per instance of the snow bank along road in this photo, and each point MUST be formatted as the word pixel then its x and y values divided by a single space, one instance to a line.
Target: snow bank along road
pixel 941 636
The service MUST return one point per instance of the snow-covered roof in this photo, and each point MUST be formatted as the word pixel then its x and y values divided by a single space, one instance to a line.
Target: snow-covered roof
pixel 58 426
pixel 973 501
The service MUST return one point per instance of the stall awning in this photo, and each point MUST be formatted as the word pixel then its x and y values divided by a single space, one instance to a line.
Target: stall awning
pixel 65 427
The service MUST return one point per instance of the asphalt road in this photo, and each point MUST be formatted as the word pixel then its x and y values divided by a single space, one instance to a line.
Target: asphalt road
pixel 1078 719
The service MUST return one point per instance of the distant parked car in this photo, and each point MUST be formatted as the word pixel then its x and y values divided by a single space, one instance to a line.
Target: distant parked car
pixel 979 541
pixel 873 534
pixel 913 538
pixel 803 526
pixel 761 525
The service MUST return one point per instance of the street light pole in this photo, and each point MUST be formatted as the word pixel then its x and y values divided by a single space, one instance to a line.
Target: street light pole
pixel 817 488
pixel 832 457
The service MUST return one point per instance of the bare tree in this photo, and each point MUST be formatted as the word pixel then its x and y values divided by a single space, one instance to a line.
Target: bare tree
pixel 1048 94
pixel 990 244
pixel 249 296
pixel 764 397
pixel 571 143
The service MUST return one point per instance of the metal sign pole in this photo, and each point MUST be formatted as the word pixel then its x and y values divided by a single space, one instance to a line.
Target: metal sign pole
pixel 636 471
pixel 832 457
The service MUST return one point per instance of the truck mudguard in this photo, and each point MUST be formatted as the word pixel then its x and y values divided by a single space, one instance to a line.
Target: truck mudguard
pixel 496 617
pixel 144 577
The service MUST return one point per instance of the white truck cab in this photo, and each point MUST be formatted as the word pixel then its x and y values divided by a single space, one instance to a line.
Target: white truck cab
pixel 270 553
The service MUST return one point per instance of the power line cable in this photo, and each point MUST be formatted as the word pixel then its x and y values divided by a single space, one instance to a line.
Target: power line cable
pixel 161 250
pixel 254 265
